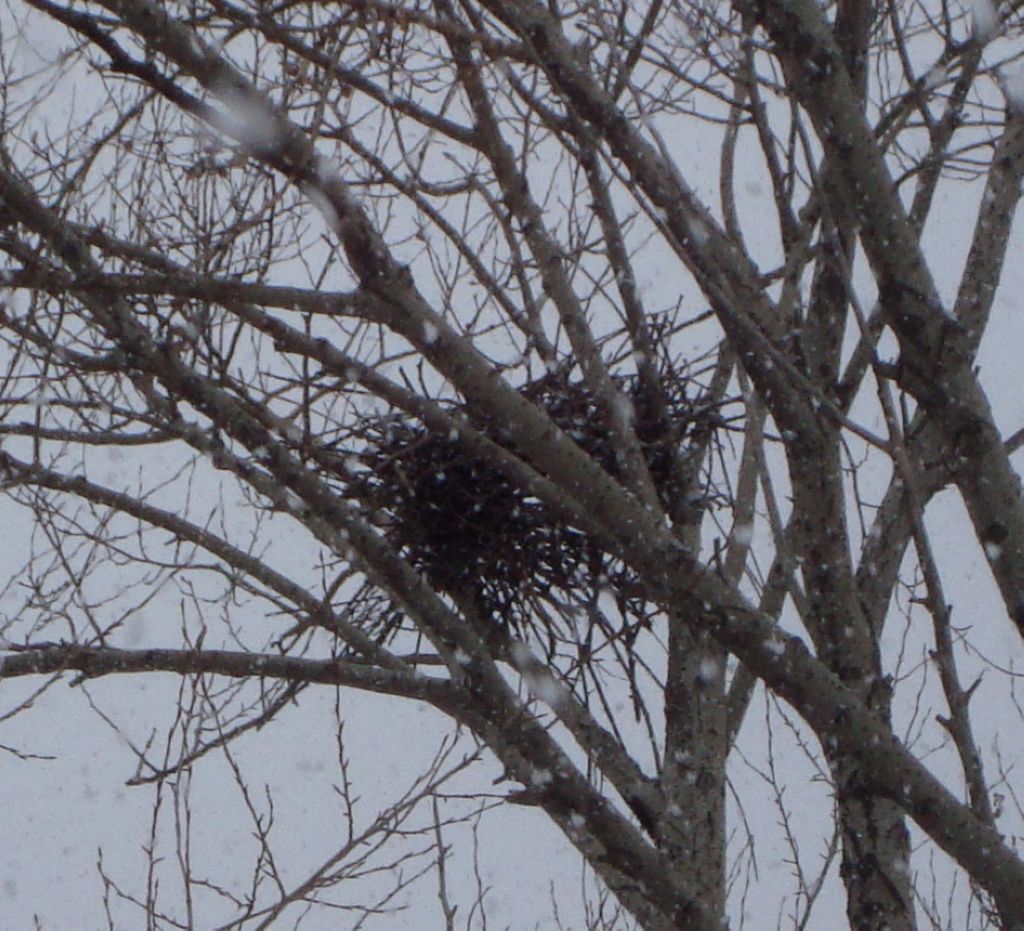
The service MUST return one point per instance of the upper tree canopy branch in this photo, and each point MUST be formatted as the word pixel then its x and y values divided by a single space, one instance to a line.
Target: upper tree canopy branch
pixel 936 359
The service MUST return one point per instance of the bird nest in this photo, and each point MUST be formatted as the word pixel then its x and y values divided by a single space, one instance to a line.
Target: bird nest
pixel 475 534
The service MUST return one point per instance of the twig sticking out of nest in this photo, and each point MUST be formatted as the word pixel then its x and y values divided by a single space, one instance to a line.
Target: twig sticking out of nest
pixel 474 534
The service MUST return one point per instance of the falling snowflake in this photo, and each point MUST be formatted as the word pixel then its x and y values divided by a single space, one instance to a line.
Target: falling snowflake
pixel 708 671
pixel 327 169
pixel 324 204
pixel 743 534
pixel 984 19
pixel 1012 83
pixel 248 118
pixel 936 76
pixel 698 230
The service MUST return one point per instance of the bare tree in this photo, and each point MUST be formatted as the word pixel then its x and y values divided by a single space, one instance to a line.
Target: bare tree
pixel 565 369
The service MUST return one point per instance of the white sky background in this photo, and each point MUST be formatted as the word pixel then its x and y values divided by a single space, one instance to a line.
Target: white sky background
pixel 59 813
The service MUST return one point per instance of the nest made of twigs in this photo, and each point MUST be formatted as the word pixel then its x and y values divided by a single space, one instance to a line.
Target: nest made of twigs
pixel 476 535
